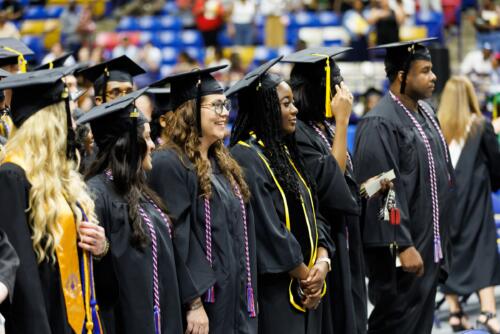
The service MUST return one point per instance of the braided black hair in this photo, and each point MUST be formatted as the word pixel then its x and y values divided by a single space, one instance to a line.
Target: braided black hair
pixel 260 112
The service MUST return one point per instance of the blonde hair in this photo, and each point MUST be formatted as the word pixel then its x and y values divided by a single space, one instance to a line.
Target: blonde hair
pixel 458 104
pixel 180 134
pixel 39 147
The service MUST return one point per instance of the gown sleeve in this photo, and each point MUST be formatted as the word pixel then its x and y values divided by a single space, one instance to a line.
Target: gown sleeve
pixel 376 151
pixel 333 191
pixel 492 150
pixel 9 262
pixel 28 301
pixel 106 281
pixel 277 249
pixel 170 179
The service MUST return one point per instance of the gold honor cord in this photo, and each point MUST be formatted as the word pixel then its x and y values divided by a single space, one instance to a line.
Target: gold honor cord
pixel 328 92
pixel 51 65
pixel 20 58
pixel 314 245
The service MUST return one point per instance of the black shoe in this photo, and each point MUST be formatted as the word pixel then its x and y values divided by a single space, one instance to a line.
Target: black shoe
pixel 458 327
pixel 484 324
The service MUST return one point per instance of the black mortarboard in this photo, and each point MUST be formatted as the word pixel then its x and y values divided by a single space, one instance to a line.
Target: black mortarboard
pixel 43 88
pixel 110 121
pixel 192 85
pixel 161 98
pixel 13 51
pixel 399 56
pixel 58 62
pixel 313 65
pixel 121 69
pixel 258 78
pixel 4 73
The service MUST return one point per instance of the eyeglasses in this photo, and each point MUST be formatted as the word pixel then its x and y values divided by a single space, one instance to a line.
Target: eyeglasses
pixel 117 92
pixel 219 106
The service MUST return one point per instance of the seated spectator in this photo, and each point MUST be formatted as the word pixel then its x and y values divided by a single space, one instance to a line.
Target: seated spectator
pixel 386 20
pixel 185 63
pixel 149 59
pixel 7 28
pixel 126 48
pixel 358 28
pixel 488 18
pixel 69 23
pixel 478 67
pixel 241 26
pixel 219 60
pixel 57 51
pixel 13 9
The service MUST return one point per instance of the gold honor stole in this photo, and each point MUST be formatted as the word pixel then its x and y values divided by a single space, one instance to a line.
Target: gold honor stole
pixel 312 230
pixel 67 258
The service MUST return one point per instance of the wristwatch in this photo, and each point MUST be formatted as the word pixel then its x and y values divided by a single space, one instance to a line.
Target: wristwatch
pixel 326 260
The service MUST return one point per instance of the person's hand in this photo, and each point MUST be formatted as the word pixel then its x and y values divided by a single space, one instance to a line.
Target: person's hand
pixel 411 261
pixel 496 125
pixel 92 238
pixel 313 284
pixel 342 104
pixel 197 319
pixel 311 302
pixel 4 292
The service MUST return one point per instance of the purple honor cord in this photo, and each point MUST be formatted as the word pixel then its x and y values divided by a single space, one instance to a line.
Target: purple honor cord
pixel 438 254
pixel 210 295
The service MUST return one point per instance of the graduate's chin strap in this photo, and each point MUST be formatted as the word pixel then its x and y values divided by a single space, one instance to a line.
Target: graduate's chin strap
pixel 134 116
pixel 406 68
pixel 20 58
pixel 70 141
pixel 105 85
pixel 328 88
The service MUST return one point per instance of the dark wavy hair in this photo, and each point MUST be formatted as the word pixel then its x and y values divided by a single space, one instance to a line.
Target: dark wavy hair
pixel 309 91
pixel 129 178
pixel 261 113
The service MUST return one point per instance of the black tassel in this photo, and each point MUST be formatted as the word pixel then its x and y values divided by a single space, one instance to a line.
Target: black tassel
pixel 105 86
pixel 198 108
pixel 134 149
pixel 71 136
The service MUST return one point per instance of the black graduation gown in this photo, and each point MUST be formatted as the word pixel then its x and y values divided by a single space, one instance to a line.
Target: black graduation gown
pixel 9 262
pixel 176 182
pixel 387 139
pixel 37 304
pixel 345 311
pixel 124 277
pixel 476 263
pixel 278 249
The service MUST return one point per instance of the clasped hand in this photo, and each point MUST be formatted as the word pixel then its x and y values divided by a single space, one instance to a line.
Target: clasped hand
pixel 313 285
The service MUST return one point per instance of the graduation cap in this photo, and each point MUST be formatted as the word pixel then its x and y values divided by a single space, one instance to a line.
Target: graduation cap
pixel 258 78
pixel 400 55
pixel 58 62
pixel 311 64
pixel 43 88
pixel 13 51
pixel 192 85
pixel 109 121
pixel 121 69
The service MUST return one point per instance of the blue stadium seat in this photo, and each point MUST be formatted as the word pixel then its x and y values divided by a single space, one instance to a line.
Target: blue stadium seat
pixel 53 12
pixel 259 20
pixel 304 19
pixel 263 54
pixel 146 37
pixel 35 43
pixel 166 70
pixel 34 13
pixel 166 38
pixel 334 42
pixel 191 38
pixel 196 53
pixel 351 134
pixel 127 23
pixel 170 8
pixel 433 21
pixel 168 55
pixel 224 39
pixel 292 35
pixel 170 23
pixel 495 197
pixel 327 19
pixel 150 23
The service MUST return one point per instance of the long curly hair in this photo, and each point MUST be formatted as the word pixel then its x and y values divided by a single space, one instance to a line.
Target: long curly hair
pixel 181 135
pixel 262 115
pixel 129 178
pixel 39 147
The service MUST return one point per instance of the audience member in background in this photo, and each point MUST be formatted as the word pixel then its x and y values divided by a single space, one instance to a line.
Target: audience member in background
pixel 139 8
pixel 13 8
pixel 57 51
pixel 126 48
pixel 69 19
pixel 241 26
pixel 149 58
pixel 371 98
pixel 219 60
pixel 475 155
pixel 386 20
pixel 273 10
pixel 358 28
pixel 236 70
pixel 478 66
pixel 185 63
pixel 209 18
pixel 86 25
pixel 7 28
pixel 430 5
pixel 488 18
